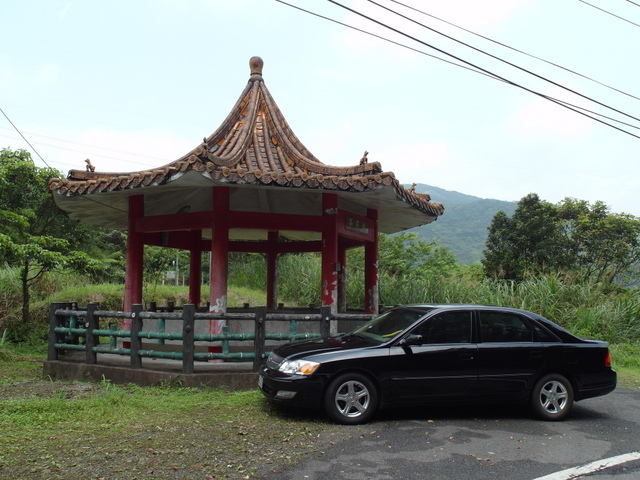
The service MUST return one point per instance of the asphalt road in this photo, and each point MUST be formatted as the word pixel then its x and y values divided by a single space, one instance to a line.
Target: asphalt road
pixel 487 443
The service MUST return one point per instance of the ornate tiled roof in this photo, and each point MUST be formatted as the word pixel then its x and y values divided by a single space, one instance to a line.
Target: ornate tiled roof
pixel 254 146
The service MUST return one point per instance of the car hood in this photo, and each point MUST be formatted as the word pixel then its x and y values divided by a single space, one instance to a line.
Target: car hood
pixel 331 344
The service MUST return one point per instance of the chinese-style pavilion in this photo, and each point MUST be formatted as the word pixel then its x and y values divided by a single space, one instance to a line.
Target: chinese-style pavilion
pixel 251 186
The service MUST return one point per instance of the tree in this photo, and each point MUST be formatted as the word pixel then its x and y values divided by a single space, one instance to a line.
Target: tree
pixel 36 235
pixel 406 253
pixel 571 236
pixel 531 241
pixel 604 245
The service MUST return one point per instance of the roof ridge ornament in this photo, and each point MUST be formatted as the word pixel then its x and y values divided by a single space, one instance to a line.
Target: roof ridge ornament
pixel 254 146
pixel 256 64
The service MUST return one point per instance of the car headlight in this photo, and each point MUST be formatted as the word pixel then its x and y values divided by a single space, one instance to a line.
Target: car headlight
pixel 299 367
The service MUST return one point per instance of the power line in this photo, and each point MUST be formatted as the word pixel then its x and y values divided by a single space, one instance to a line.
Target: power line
pixel 517 50
pixel 561 103
pixel 25 139
pixel 99 148
pixel 612 14
pixel 385 39
pixel 485 53
pixel 45 162
pixel 96 154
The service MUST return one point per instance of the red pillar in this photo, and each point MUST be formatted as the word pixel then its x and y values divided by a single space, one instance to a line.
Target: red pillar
pixel 272 271
pixel 195 268
pixel 371 291
pixel 330 251
pixel 135 256
pixel 342 278
pixel 219 259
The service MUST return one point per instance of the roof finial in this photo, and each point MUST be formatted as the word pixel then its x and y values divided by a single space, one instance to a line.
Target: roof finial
pixel 256 64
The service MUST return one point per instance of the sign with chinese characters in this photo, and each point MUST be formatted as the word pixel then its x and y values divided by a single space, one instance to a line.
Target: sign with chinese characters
pixel 356 225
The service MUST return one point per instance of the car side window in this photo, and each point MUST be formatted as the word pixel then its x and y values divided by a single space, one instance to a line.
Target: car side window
pixel 504 327
pixel 447 327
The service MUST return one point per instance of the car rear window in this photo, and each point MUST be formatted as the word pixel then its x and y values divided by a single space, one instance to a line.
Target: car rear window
pixel 545 335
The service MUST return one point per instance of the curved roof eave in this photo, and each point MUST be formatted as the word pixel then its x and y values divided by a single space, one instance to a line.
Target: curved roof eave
pixel 253 147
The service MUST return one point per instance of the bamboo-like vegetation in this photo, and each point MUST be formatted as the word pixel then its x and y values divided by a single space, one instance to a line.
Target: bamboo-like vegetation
pixel 585 308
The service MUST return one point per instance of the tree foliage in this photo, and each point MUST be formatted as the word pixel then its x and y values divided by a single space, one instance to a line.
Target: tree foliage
pixel 406 254
pixel 36 237
pixel 542 238
pixel 603 245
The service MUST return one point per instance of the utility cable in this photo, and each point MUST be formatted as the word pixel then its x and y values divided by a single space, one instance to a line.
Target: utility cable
pixel 488 54
pixel 494 77
pixel 25 139
pixel 45 162
pixel 484 70
pixel 517 50
pixel 386 39
pixel 612 14
pixel 88 198
pixel 105 149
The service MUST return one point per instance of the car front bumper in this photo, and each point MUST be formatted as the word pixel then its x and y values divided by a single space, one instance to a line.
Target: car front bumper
pixel 295 390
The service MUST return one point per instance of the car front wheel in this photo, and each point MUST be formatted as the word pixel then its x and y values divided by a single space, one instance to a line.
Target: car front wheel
pixel 552 397
pixel 351 399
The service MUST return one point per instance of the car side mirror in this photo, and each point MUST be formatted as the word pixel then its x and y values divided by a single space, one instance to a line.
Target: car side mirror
pixel 411 340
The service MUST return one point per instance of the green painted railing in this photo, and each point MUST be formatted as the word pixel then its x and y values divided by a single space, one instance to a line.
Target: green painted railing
pixel 77 329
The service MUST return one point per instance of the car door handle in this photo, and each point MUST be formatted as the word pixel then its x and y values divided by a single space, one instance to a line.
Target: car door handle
pixel 535 354
pixel 466 356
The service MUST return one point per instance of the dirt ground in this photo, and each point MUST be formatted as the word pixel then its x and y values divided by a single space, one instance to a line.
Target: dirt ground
pixel 201 448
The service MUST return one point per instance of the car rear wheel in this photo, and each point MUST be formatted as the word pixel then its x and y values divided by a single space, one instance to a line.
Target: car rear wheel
pixel 351 399
pixel 552 397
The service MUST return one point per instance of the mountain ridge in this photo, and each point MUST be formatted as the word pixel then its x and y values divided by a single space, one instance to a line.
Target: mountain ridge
pixel 463 227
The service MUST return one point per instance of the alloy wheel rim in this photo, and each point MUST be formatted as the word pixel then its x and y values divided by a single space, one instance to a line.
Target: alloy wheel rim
pixel 553 396
pixel 352 399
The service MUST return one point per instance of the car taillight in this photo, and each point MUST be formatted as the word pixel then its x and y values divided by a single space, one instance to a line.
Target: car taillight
pixel 607 359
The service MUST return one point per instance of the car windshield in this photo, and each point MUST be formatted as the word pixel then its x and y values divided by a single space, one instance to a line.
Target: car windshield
pixel 390 324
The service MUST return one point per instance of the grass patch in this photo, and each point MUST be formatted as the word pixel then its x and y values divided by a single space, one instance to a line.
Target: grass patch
pixel 131 432
pixel 73 430
pixel 628 377
pixel 626 362
pixel 21 364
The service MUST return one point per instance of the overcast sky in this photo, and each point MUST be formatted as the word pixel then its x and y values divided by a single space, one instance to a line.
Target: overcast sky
pixel 136 84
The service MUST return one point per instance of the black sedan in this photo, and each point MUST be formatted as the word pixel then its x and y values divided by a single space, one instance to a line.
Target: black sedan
pixel 441 354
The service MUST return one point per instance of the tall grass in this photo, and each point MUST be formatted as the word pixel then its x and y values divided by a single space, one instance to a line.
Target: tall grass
pixel 584 308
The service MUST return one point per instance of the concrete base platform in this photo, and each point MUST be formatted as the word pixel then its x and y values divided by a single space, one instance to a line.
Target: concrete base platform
pixel 230 375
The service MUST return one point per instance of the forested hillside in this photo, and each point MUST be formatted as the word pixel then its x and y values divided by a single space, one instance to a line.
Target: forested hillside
pixel 464 226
